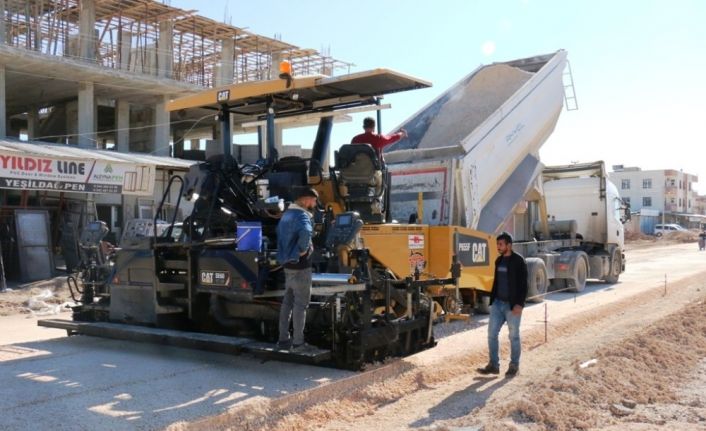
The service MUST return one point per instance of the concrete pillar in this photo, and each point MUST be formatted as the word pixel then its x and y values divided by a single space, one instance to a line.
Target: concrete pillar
pixel 32 124
pixel 125 47
pixel 161 127
pixel 87 29
pixel 165 49
pixel 3 109
pixel 122 124
pixel 86 115
pixel 275 59
pixel 195 144
pixel 3 28
pixel 225 70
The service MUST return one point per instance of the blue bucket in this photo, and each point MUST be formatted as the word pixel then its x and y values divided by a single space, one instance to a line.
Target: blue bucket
pixel 249 236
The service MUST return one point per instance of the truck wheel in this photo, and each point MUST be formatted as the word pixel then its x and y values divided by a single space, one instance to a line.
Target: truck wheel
pixel 578 282
pixel 536 280
pixel 482 304
pixel 616 267
pixel 451 305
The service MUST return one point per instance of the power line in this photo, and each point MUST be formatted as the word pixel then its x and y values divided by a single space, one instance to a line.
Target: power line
pixel 149 126
pixel 196 122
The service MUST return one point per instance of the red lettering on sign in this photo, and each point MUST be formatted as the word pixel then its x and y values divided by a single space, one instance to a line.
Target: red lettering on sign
pixel 25 163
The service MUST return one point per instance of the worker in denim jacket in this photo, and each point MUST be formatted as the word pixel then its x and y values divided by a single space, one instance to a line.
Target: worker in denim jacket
pixel 294 249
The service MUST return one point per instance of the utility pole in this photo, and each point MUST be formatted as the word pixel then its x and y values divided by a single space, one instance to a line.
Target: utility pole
pixel 3 284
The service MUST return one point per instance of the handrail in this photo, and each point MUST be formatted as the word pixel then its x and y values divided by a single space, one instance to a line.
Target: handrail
pixel 161 204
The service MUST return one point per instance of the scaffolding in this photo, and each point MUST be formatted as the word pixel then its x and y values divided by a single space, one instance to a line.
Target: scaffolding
pixel 126 36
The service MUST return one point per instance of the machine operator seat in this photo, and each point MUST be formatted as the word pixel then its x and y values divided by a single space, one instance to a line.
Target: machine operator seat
pixel 360 177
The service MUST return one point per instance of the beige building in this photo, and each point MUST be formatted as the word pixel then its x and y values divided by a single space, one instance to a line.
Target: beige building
pixel 665 190
pixel 700 205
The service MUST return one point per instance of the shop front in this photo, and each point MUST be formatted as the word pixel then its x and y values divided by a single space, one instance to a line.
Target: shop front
pixel 49 192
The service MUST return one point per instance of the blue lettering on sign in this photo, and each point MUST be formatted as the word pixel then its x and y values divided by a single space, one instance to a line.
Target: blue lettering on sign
pixel 513 135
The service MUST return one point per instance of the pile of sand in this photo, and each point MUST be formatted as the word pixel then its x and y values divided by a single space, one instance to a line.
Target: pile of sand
pixel 472 104
pixel 639 236
pixel 682 236
pixel 645 369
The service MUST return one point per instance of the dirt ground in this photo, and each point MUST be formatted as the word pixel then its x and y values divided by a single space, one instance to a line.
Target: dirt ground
pixel 650 352
pixel 16 300
pixel 649 373
pixel 640 240
pixel 659 368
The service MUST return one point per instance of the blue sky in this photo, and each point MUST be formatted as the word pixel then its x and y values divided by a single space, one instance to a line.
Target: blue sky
pixel 638 66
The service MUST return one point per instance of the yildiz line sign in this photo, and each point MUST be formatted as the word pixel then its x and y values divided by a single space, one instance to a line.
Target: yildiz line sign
pixel 24 172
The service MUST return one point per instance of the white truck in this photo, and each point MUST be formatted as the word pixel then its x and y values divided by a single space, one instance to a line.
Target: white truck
pixel 472 159
pixel 575 228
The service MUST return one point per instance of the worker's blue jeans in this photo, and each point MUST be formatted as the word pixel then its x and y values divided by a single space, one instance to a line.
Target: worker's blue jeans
pixel 297 294
pixel 500 312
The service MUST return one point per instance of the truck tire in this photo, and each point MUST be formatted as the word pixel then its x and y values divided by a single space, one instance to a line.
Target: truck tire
pixel 616 267
pixel 482 305
pixel 537 281
pixel 578 282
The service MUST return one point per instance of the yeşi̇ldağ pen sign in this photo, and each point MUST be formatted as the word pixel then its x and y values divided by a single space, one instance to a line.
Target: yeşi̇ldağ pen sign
pixel 25 172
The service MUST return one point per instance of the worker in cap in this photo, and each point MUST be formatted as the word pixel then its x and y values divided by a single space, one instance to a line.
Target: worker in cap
pixel 294 250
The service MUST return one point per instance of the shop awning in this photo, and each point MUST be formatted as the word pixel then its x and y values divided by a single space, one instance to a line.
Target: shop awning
pixel 64 168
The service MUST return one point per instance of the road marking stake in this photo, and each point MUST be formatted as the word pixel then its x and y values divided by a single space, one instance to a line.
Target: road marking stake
pixel 546 322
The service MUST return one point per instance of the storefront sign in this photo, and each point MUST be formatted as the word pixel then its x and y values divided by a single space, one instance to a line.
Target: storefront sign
pixel 25 172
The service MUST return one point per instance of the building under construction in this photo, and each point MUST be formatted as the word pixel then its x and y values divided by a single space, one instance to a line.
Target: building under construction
pixel 96 75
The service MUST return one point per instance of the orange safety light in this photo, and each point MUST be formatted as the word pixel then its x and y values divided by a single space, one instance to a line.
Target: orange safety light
pixel 285 68
pixel 285 72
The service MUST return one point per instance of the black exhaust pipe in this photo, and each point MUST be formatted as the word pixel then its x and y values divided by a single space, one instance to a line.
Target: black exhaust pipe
pixel 321 145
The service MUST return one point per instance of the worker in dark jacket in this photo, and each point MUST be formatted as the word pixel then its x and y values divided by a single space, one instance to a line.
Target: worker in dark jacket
pixel 506 303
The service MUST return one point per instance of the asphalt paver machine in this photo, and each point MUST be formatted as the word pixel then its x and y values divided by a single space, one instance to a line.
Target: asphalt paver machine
pixel 218 286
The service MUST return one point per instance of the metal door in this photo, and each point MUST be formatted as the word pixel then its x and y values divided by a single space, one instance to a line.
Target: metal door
pixel 34 243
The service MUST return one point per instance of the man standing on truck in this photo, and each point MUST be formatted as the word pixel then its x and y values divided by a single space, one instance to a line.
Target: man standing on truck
pixel 294 248
pixel 375 140
pixel 506 303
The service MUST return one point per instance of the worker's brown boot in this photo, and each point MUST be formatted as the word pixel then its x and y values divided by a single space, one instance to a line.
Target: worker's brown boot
pixel 489 369
pixel 512 370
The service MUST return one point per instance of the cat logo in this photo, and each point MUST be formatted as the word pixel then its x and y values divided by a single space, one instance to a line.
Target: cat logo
pixel 478 250
pixel 472 251
pixel 223 96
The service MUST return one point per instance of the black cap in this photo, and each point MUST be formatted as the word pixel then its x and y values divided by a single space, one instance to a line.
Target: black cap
pixel 301 192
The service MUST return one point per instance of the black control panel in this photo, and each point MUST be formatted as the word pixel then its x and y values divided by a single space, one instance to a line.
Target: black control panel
pixel 344 230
